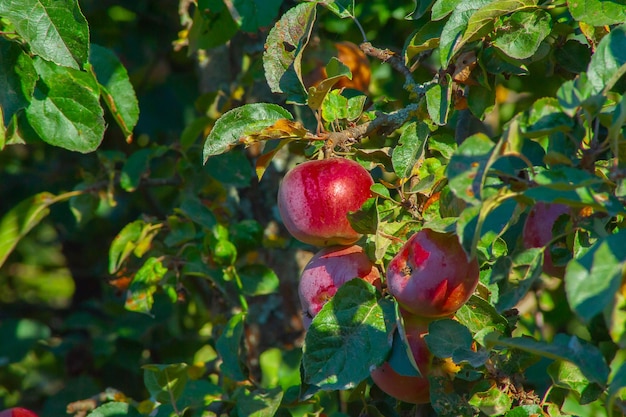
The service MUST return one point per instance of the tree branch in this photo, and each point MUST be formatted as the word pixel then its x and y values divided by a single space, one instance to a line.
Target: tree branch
pixel 397 63
pixel 385 123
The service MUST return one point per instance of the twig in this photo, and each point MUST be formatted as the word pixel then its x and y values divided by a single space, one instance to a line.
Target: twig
pixel 397 63
pixel 385 123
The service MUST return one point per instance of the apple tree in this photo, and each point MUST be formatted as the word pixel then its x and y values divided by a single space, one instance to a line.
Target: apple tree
pixel 464 160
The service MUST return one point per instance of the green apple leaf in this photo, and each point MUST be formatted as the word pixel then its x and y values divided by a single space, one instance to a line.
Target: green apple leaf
pixel 139 297
pixel 211 26
pixel 17 78
pixel 593 279
pixel 342 8
pixel 456 26
pixel 608 64
pixel 468 167
pixel 229 347
pixel 21 219
pixel 135 238
pixel 335 70
pixel 65 108
pixel 584 355
pixel 283 52
pixel 258 279
pixel 598 12
pixel 55 30
pixel 165 383
pixel 258 403
pixel 423 39
pixel 239 122
pixel 347 337
pixel 115 409
pixel 438 101
pixel 117 91
pixel 520 34
pixel 482 22
pixel 254 14
pixel 410 149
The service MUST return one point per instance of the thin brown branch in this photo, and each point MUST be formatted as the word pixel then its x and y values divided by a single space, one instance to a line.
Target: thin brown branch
pixel 397 63
pixel 385 123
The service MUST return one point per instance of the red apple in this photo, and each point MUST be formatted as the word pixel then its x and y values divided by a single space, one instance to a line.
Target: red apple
pixel 538 232
pixel 431 276
pixel 17 412
pixel 410 389
pixel 329 269
pixel 315 197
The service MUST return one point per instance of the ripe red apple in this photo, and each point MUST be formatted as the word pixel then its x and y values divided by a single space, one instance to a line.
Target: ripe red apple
pixel 315 197
pixel 431 276
pixel 17 412
pixel 329 269
pixel 538 232
pixel 410 389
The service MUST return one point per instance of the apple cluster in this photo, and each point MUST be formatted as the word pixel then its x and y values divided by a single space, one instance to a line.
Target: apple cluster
pixel 430 277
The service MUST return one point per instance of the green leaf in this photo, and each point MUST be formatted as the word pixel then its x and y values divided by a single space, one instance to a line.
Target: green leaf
pixel 212 26
pixel 492 402
pixel 447 338
pixel 608 64
pixel 200 214
pixel 165 383
pixel 421 7
pixel 65 109
pixel 228 346
pixel 254 14
pixel 615 318
pixel 482 22
pixel 438 101
pixel 335 70
pixel 258 279
pixel 55 30
pixel 478 314
pixel 258 403
pixel 342 8
pixel 115 409
pixel 545 117
pixel 136 165
pixel 532 410
pixel 593 279
pixel 410 149
pixel 135 237
pixel 283 52
pixel 567 375
pixel 117 91
pixel 401 357
pixel 442 8
pixel 23 217
pixel 180 231
pixel 347 337
pixel 515 276
pixel 144 284
pixel 423 39
pixel 584 355
pixel 480 99
pixel 455 26
pixel 84 206
pixel 468 166
pixel 598 12
pixel 520 34
pixel 617 386
pixel 239 122
pixel 17 79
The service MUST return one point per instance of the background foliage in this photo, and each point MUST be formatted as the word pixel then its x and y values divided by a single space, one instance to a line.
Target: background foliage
pixel 144 265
